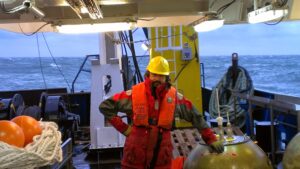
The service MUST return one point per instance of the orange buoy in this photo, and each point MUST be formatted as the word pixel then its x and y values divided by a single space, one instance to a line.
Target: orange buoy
pixel 30 126
pixel 11 133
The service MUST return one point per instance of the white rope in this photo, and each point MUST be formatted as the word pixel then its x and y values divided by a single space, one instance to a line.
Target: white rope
pixel 44 150
pixel 226 104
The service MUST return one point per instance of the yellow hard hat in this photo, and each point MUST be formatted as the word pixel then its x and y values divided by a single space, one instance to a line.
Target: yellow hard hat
pixel 159 65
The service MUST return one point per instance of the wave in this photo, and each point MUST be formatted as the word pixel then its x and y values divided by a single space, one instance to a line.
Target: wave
pixel 273 73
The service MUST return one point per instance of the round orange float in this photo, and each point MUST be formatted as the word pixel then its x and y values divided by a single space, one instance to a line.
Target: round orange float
pixel 11 133
pixel 30 126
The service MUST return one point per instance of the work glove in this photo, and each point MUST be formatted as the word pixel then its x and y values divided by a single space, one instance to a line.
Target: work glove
pixel 217 147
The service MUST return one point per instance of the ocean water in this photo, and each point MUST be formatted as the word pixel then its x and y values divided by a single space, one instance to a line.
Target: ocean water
pixel 22 73
pixel 279 74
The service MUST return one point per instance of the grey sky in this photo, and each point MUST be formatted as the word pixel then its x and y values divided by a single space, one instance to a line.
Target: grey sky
pixel 245 39
pixel 252 39
pixel 19 45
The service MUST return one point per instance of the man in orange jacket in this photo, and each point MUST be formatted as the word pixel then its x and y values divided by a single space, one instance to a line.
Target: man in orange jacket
pixel 152 105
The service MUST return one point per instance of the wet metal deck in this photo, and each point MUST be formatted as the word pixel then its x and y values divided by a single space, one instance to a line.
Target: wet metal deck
pixel 184 141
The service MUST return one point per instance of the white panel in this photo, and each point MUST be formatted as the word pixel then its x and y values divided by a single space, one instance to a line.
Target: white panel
pixel 107 137
pixel 98 95
pixel 102 50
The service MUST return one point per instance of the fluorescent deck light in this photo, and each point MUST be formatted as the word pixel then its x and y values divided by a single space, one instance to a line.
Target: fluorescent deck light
pixel 207 23
pixel 267 13
pixel 94 28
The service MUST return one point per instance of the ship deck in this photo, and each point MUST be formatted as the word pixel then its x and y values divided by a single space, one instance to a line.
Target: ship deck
pixel 184 140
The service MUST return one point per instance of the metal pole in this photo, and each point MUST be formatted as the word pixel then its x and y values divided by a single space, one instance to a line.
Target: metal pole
pixel 251 120
pixel 255 4
pixel 272 135
pixel 298 120
pixel 234 109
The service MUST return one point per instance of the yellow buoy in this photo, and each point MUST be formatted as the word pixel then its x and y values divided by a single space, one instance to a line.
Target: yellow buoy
pixel 239 153
pixel 291 157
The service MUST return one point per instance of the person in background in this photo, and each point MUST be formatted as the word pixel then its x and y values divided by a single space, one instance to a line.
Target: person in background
pixel 152 106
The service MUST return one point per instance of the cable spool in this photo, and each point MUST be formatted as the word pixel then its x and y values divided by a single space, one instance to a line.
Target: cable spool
pixel 17 105
pixel 5 109
pixel 54 108
pixel 42 103
pixel 11 107
pixel 17 100
pixel 33 111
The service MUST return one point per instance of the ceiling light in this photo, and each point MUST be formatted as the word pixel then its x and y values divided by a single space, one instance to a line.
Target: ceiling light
pixel 114 2
pixel 209 22
pixel 95 28
pixel 83 9
pixel 267 13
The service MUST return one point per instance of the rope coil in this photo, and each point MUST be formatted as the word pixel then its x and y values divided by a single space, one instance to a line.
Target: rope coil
pixel 226 100
pixel 44 150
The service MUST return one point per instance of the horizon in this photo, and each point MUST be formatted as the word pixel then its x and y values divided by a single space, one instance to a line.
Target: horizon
pixel 244 39
pixel 148 55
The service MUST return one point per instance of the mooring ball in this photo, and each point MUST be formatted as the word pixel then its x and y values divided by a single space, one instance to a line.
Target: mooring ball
pixel 291 157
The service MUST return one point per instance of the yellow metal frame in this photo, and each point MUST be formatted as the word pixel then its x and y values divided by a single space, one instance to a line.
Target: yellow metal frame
pixel 168 42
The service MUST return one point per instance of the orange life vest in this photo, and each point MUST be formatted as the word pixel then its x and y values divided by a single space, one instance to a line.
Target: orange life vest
pixel 141 111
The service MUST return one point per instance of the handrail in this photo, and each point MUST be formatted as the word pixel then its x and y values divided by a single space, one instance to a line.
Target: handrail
pixel 81 69
pixel 273 105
